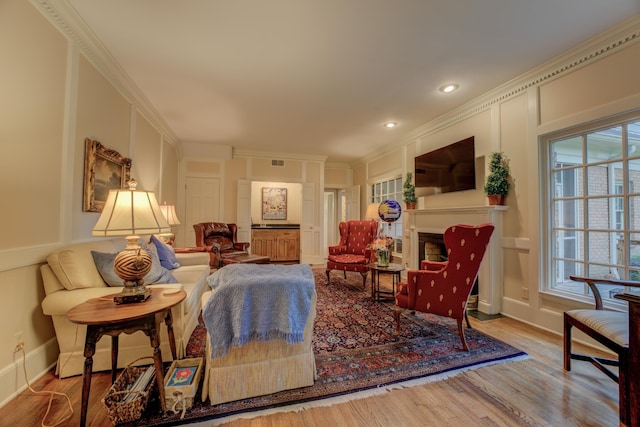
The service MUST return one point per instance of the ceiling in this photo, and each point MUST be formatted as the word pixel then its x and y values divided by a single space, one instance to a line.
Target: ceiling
pixel 321 77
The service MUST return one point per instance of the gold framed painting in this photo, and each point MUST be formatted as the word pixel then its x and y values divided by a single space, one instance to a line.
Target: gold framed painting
pixel 104 169
pixel 274 203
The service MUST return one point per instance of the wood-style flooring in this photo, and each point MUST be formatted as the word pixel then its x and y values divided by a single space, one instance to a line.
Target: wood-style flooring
pixel 533 392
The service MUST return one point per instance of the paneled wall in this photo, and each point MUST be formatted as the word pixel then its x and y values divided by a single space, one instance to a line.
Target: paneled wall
pixel 596 80
pixel 53 97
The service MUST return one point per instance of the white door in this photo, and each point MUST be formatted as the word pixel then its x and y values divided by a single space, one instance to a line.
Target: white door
pixel 311 251
pixel 352 202
pixel 202 204
pixel 331 234
pixel 243 219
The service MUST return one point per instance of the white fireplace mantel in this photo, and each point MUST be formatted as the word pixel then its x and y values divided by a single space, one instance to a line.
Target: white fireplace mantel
pixel 437 220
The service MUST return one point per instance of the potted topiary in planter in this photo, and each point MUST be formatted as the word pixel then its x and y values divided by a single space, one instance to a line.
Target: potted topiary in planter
pixel 409 192
pixel 497 185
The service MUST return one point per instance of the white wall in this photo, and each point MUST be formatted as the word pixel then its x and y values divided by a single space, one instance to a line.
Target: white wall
pixel 53 96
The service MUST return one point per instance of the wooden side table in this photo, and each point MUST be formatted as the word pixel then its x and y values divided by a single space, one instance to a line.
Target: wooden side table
pixel 392 269
pixel 104 317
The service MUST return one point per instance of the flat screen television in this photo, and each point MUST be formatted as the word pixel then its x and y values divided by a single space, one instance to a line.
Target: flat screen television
pixel 447 169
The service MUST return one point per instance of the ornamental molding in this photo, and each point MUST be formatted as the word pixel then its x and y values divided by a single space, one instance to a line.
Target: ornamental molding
pixel 69 23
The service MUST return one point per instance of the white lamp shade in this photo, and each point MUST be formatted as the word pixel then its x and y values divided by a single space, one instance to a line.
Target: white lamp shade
pixel 372 211
pixel 169 212
pixel 130 212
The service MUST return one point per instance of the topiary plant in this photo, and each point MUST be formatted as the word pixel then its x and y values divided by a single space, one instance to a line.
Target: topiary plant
pixel 409 189
pixel 498 179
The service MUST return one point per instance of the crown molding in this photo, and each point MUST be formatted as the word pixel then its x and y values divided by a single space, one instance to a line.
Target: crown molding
pixel 274 155
pixel 594 49
pixel 337 165
pixel 64 17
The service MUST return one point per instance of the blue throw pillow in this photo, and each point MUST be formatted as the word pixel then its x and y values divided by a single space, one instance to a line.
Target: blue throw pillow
pixel 166 254
pixel 104 264
pixel 158 273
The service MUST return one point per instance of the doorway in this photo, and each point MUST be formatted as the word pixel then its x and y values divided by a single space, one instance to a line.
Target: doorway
pixel 202 204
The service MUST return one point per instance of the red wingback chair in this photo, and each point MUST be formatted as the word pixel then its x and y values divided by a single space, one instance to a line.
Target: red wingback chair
pixel 220 237
pixel 352 253
pixel 443 288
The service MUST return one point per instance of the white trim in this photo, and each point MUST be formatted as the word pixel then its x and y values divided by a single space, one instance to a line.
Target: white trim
pixel 26 256
pixel 276 155
pixel 12 377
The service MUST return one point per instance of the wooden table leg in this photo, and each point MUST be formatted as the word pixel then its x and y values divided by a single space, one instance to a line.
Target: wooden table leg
pixel 89 351
pixel 114 358
pixel 373 284
pixel 168 320
pixel 154 337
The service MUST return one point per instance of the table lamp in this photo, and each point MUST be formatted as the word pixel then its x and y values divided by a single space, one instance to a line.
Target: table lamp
pixel 372 213
pixel 169 212
pixel 130 213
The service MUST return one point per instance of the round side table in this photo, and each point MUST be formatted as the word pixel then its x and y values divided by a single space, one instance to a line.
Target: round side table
pixel 103 316
pixel 376 270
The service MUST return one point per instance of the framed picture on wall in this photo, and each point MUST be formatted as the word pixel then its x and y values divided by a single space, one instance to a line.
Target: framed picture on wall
pixel 104 170
pixel 274 203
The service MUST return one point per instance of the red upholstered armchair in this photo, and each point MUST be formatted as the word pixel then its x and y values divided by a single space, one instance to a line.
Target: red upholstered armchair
pixel 221 238
pixel 352 253
pixel 443 288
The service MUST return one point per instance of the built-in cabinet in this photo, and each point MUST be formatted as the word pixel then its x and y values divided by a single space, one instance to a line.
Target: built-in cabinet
pixel 277 244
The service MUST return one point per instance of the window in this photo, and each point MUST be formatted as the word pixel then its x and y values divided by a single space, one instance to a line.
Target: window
pixel 390 190
pixel 594 205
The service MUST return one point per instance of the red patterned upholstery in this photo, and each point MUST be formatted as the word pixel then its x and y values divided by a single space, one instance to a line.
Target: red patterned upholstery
pixel 443 288
pixel 352 254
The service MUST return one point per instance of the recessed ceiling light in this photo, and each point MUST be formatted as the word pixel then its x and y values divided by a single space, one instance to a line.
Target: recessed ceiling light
pixel 390 125
pixel 450 87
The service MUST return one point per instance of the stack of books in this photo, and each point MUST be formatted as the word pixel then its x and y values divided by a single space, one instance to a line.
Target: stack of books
pixel 140 384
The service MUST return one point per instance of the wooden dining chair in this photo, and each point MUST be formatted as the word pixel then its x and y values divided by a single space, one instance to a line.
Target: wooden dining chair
pixel 609 328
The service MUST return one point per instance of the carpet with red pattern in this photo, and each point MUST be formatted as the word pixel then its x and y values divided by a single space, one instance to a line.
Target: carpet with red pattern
pixel 356 350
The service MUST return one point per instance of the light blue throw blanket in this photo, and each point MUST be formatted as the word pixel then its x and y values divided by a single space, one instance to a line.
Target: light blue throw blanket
pixel 257 302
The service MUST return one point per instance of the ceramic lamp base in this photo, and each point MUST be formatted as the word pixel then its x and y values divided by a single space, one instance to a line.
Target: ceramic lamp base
pixel 131 265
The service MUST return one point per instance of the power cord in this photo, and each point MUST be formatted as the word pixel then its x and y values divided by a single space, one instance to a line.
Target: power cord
pixel 20 347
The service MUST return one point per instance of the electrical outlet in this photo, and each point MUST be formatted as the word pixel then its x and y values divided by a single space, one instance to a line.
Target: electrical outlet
pixel 525 293
pixel 19 340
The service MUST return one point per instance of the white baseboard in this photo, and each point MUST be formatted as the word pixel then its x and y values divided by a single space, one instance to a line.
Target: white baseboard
pixel 38 362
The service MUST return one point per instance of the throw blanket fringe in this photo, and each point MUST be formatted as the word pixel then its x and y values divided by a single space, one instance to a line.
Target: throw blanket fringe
pixel 257 302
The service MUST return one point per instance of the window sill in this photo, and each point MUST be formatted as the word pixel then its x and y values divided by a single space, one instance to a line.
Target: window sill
pixel 573 301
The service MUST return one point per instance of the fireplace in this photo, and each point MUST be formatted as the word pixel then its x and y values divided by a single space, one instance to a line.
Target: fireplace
pixel 419 224
pixel 431 247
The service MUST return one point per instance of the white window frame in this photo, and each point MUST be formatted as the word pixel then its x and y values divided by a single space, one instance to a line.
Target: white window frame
pixel 397 195
pixel 552 262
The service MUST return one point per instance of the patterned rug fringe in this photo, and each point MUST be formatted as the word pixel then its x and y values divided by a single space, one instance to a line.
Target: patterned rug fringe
pixel 297 407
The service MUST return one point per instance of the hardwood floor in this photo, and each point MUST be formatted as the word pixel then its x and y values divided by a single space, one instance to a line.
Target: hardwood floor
pixel 533 392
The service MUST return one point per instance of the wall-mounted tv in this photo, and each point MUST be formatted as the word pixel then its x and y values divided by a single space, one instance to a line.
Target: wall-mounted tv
pixel 447 169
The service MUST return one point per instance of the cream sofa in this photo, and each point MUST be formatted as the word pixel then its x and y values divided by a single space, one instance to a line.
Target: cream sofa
pixel 70 277
pixel 260 367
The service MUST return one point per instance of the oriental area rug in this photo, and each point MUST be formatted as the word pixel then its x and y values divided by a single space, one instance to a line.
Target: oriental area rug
pixel 357 355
